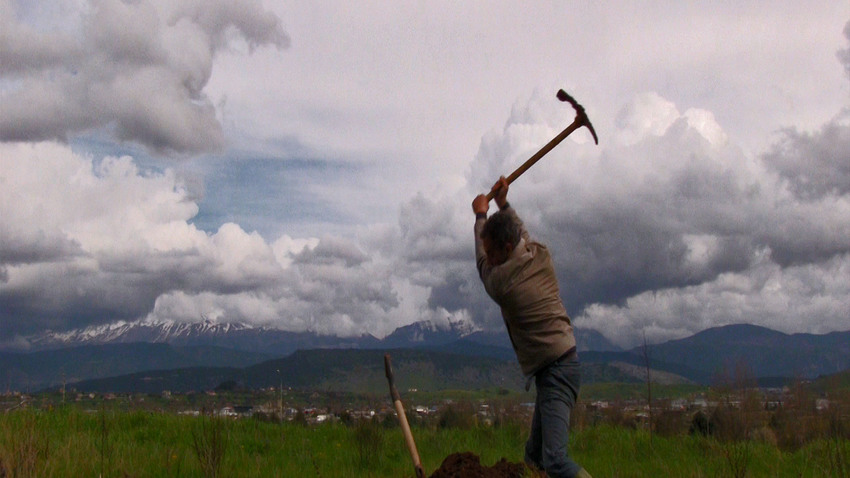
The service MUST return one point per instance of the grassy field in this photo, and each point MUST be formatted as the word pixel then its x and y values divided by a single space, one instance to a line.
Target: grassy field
pixel 69 442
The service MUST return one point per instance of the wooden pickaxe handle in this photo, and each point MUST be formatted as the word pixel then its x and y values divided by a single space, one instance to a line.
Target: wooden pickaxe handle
pixel 402 418
pixel 581 120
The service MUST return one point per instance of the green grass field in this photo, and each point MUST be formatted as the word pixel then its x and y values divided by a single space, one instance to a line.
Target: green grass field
pixel 68 442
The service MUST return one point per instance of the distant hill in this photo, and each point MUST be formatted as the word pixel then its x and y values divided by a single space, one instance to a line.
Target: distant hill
pixel 33 371
pixel 709 355
pixel 350 370
pixel 333 369
pixel 586 339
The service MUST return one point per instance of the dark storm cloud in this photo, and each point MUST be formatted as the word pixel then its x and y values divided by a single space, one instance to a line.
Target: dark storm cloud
pixel 705 218
pixel 844 54
pixel 816 164
pixel 40 247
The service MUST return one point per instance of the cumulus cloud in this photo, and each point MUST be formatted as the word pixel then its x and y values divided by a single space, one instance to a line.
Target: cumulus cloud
pixel 811 297
pixel 816 165
pixel 137 69
pixel 88 242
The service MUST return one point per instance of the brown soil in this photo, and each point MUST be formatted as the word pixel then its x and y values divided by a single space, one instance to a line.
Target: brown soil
pixel 468 465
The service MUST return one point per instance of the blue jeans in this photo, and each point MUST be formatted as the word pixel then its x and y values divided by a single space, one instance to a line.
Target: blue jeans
pixel 557 390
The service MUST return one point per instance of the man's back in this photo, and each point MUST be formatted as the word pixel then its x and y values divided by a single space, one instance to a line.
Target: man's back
pixel 526 288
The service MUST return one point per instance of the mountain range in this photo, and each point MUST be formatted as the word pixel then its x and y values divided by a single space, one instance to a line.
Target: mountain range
pixel 152 357
pixel 271 341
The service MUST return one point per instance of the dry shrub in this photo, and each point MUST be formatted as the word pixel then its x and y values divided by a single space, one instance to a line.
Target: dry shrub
pixel 618 417
pixel 764 434
pixel 579 417
pixel 512 416
pixel 457 415
pixel 700 424
pixel 794 429
pixel 838 418
pixel 725 423
pixel 670 423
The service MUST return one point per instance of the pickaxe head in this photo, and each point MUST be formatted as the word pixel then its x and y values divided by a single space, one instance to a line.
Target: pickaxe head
pixel 581 116
pixel 581 120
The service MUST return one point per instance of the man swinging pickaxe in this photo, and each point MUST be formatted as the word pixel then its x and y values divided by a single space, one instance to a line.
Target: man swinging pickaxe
pixel 581 120
pixel 519 275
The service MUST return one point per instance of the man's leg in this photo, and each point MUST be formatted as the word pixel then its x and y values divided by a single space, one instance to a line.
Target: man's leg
pixel 557 390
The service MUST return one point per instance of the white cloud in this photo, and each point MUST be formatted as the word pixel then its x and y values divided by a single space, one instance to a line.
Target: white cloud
pixel 138 69
pixel 647 114
pixel 85 242
pixel 93 242
pixel 814 298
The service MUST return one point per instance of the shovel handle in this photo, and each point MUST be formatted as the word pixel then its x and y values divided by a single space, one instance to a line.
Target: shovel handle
pixel 402 418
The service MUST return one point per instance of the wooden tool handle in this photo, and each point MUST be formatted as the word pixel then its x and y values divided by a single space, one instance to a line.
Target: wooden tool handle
pixel 402 418
pixel 578 123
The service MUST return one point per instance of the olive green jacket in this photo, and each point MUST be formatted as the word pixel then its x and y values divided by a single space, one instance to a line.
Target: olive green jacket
pixel 526 289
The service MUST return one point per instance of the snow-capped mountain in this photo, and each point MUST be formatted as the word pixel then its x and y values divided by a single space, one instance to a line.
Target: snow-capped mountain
pixel 178 333
pixel 128 332
pixel 233 335
pixel 429 333
pixel 242 336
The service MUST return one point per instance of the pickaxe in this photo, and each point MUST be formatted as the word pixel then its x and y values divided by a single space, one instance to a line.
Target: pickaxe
pixel 581 120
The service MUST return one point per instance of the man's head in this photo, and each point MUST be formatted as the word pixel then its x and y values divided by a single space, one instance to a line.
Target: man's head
pixel 500 236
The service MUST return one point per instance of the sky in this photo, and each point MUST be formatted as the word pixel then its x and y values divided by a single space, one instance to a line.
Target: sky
pixel 310 165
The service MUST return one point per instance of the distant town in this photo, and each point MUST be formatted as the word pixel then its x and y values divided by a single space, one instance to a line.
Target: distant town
pixel 483 408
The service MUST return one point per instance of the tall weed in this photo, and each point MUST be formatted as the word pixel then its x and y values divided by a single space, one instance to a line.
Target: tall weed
pixel 25 445
pixel 369 440
pixel 210 442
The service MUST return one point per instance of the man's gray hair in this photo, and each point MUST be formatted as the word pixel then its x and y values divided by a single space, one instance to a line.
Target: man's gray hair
pixel 501 229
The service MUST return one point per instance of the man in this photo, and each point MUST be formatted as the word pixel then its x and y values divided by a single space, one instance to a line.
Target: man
pixel 518 274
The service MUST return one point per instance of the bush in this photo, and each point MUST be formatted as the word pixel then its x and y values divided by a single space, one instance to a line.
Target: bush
pixel 670 423
pixel 618 417
pixel 456 416
pixel 700 425
pixel 726 423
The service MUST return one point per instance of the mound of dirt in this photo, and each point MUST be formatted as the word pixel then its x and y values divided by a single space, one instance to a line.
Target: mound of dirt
pixel 468 465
